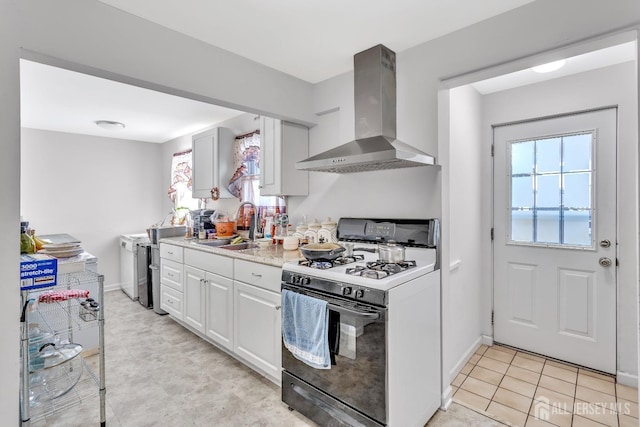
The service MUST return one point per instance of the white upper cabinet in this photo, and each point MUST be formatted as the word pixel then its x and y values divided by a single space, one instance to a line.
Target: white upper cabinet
pixel 212 163
pixel 282 144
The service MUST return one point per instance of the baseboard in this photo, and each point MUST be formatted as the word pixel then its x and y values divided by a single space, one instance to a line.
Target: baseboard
pixel 487 340
pixel 112 287
pixel 463 360
pixel 447 397
pixel 628 379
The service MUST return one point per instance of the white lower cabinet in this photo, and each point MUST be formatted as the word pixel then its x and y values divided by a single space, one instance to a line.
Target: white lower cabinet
pixel 194 295
pixel 219 309
pixel 233 303
pixel 257 336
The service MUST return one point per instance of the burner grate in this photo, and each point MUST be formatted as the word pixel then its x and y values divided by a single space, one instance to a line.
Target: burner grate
pixel 380 269
pixel 323 265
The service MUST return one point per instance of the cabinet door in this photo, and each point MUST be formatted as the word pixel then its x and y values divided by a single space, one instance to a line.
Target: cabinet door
pixel 219 309
pixel 194 289
pixel 270 156
pixel 282 144
pixel 212 162
pixel 257 336
pixel 202 163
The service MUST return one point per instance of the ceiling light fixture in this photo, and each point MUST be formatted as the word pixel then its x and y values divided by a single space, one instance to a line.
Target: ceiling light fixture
pixel 549 67
pixel 109 125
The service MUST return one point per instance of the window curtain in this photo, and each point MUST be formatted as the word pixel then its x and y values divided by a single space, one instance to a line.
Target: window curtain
pixel 180 188
pixel 244 182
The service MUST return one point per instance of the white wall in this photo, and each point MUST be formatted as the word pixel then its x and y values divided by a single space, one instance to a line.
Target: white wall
pixel 87 35
pixel 91 187
pixel 615 85
pixel 462 287
pixel 9 211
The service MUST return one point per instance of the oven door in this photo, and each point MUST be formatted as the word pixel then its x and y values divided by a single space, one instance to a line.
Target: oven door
pixel 357 339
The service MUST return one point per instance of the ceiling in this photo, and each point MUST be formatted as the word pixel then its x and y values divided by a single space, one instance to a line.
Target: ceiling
pixel 66 101
pixel 55 99
pixel 314 39
pixel 576 64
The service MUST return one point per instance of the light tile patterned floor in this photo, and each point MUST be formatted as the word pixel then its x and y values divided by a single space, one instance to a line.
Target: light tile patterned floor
pixel 527 390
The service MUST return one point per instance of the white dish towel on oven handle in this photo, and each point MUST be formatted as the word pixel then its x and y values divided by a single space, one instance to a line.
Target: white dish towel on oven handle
pixel 305 324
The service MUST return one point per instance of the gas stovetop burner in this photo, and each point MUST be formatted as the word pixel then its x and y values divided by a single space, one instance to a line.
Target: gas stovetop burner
pixel 380 269
pixel 323 265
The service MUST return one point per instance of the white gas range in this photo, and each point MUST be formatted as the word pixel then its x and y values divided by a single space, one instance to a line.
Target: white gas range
pixel 384 328
pixel 353 270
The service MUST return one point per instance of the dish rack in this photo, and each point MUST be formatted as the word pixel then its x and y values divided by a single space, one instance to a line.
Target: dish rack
pixel 55 377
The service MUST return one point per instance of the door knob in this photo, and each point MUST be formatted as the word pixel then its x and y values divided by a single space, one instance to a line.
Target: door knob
pixel 605 243
pixel 605 262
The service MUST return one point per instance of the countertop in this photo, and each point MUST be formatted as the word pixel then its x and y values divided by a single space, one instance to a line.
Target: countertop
pixel 274 255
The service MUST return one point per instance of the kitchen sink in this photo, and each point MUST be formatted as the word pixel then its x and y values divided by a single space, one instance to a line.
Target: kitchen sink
pixel 240 246
pixel 216 243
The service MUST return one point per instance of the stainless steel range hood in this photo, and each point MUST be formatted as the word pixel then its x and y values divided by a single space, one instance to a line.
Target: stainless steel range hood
pixel 376 146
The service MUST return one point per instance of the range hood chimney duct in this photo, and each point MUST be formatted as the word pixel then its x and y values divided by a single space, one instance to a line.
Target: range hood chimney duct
pixel 375 146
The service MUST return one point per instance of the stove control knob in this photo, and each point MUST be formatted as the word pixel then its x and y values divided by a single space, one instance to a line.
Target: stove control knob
pixel 346 290
pixel 360 293
pixel 294 279
pixel 305 281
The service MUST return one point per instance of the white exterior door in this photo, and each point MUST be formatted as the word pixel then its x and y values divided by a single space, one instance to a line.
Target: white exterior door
pixel 555 237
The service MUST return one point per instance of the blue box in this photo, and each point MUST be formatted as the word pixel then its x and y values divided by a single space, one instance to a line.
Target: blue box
pixel 38 271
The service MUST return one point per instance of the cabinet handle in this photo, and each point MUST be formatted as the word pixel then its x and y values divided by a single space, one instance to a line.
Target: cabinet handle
pixel 170 253
pixel 170 274
pixel 256 275
pixel 278 307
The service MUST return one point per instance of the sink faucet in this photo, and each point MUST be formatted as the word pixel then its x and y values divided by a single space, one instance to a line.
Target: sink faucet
pixel 252 227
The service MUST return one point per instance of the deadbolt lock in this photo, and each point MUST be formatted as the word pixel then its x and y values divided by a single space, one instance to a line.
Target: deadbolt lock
pixel 605 262
pixel 605 243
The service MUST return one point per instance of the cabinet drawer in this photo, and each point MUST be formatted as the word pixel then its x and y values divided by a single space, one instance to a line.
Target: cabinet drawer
pixel 174 253
pixel 218 264
pixel 261 275
pixel 172 301
pixel 171 274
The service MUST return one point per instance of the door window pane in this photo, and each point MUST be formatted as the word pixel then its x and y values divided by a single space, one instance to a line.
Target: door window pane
pixel 577 227
pixel 522 157
pixel 521 225
pixel 577 152
pixel 552 190
pixel 577 190
pixel 522 192
pixel 548 191
pixel 548 155
pixel 548 226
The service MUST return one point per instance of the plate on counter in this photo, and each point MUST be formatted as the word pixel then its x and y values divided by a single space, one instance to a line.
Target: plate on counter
pixel 61 246
pixel 62 253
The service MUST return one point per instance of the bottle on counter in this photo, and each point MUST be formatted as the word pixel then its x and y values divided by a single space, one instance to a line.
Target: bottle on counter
pixel 27 245
pixel 189 224
pixel 268 227
pixel 282 228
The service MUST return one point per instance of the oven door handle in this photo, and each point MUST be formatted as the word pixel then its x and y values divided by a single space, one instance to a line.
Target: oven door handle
pixel 358 313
